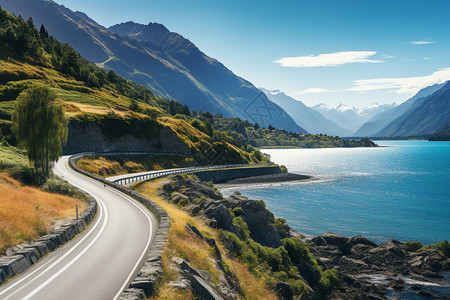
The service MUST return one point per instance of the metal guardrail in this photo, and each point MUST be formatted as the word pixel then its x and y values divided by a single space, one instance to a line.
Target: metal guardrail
pixel 157 174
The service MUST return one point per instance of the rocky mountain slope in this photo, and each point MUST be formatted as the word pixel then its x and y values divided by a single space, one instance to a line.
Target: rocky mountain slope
pixel 170 65
pixel 425 116
pixel 381 120
pixel 306 117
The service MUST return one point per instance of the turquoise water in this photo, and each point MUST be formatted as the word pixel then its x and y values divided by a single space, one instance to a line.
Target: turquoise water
pixel 396 192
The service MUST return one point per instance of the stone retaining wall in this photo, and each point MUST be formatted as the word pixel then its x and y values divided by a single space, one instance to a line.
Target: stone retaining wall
pixel 21 257
pixel 145 282
pixel 223 175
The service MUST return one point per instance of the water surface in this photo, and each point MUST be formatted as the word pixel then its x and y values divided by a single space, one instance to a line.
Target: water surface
pixel 400 191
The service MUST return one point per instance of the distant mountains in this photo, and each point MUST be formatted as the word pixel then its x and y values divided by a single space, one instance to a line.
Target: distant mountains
pixel 309 119
pixel 376 124
pixel 351 118
pixel 170 65
pixel 425 116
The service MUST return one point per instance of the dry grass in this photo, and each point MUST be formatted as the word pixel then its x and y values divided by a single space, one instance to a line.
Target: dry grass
pixel 196 251
pixel 26 212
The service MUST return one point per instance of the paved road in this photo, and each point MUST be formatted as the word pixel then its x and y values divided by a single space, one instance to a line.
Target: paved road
pixel 101 261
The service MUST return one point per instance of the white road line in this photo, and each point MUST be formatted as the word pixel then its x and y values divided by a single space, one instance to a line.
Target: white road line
pixel 36 290
pixel 61 258
pixel 147 214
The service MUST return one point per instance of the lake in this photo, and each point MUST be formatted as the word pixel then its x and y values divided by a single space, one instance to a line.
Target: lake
pixel 397 191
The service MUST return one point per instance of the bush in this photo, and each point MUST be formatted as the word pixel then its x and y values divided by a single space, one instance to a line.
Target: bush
pixel 283 169
pixel 57 185
pixel 298 251
pixel 26 175
pixel 329 280
pixel 443 246
pixel 414 246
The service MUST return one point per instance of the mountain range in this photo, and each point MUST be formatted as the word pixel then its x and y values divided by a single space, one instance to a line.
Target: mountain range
pixel 351 118
pixel 170 65
pixel 425 116
pixel 306 117
pixel 381 120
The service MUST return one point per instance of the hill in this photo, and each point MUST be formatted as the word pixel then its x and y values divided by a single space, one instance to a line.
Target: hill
pixel 107 112
pixel 425 116
pixel 304 116
pixel 381 120
pixel 167 63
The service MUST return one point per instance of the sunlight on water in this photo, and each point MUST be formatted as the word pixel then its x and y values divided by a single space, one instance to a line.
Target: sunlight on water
pixel 400 191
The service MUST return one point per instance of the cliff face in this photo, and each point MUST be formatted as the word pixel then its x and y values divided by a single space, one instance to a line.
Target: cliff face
pixel 88 137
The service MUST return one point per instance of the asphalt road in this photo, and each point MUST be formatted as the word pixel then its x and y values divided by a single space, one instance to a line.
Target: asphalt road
pixel 101 261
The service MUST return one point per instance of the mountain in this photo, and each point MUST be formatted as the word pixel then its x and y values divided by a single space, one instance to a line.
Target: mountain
pixel 170 65
pixel 381 120
pixel 304 116
pixel 350 118
pixel 425 116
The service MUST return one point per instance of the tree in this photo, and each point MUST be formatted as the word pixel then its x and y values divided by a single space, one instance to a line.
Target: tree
pixel 40 125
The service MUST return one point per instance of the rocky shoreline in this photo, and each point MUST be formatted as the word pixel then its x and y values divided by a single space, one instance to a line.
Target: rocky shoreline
pixel 366 270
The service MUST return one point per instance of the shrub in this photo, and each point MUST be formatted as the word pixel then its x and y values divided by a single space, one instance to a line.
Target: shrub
pixel 329 280
pixel 298 251
pixel 237 211
pixel 413 246
pixel 443 246
pixel 55 184
pixel 283 169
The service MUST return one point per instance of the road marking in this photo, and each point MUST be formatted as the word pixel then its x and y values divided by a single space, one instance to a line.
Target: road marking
pixel 146 212
pixel 56 262
pixel 36 290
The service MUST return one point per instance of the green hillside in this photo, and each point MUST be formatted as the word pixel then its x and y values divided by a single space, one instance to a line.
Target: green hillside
pixel 91 94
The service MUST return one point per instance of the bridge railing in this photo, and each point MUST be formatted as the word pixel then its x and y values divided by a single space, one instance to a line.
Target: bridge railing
pixel 155 174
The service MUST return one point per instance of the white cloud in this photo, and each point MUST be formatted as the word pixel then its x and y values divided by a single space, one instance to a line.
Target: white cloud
pixel 420 42
pixel 313 91
pixel 328 60
pixel 408 85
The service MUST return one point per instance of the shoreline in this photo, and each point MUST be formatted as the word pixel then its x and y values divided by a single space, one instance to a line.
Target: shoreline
pixel 273 178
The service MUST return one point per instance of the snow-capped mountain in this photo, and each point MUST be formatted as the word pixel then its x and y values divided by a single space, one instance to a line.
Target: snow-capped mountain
pixel 304 116
pixel 350 117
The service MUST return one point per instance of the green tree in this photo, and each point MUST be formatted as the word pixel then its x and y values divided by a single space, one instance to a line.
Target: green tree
pixel 40 125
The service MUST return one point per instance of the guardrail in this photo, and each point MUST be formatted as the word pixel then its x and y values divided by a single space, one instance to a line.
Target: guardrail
pixel 155 174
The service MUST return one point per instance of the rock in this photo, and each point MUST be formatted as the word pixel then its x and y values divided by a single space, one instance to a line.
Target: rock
pixel 177 197
pixel 203 290
pixel 2 276
pixel 132 294
pixel 181 283
pixel 194 209
pixel 397 284
pixel 284 291
pixel 319 241
pixel 221 214
pixel 311 275
pixel 427 294
pixel 340 241
pixel 357 239
pixel 396 249
pixel 13 265
pixel 145 284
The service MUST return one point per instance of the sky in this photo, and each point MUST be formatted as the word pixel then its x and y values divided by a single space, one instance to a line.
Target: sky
pixel 355 52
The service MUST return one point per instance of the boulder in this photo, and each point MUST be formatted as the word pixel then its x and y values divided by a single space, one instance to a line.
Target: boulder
pixel 181 283
pixel 357 239
pixel 203 290
pixel 311 275
pixel 284 291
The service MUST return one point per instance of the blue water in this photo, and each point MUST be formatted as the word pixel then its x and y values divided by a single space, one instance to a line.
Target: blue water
pixel 396 192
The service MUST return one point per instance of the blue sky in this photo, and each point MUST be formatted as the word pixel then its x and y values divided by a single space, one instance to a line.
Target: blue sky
pixel 330 51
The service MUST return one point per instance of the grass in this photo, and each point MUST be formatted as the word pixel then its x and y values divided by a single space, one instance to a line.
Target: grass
pixel 10 156
pixel 27 212
pixel 118 165
pixel 182 244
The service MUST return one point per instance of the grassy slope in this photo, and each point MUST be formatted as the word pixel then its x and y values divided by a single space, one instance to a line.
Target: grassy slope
pixel 118 165
pixel 196 251
pixel 28 212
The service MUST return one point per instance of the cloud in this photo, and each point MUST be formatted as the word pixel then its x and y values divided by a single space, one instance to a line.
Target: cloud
pixel 408 85
pixel 313 91
pixel 328 60
pixel 420 42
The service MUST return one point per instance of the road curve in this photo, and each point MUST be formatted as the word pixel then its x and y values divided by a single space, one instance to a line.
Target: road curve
pixel 101 261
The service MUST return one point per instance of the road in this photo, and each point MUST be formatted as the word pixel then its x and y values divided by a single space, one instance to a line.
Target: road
pixel 100 262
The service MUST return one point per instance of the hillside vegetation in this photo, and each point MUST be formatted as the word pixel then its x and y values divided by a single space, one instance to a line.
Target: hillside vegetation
pixel 92 95
pixel 182 243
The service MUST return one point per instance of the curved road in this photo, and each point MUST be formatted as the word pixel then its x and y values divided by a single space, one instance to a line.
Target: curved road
pixel 100 262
